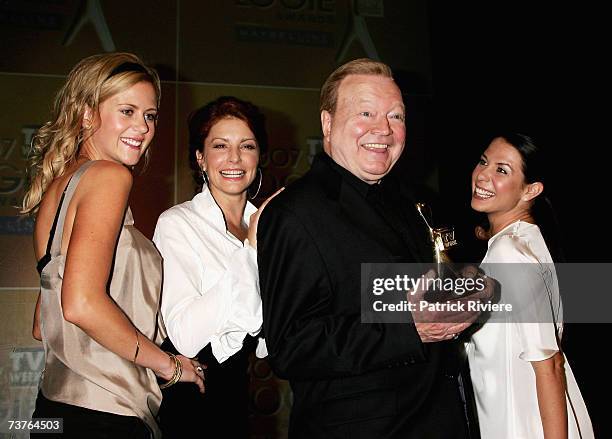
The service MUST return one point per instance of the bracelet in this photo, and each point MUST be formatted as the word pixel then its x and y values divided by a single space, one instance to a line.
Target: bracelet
pixel 178 371
pixel 137 347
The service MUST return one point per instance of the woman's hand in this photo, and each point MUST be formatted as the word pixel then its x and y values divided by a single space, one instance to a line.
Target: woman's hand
pixel 192 371
pixel 254 220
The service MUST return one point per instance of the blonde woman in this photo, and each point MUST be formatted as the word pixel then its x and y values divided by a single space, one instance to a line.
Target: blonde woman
pixel 100 277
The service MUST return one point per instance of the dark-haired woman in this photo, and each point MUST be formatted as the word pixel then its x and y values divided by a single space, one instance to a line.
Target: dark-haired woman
pixel 211 303
pixel 523 384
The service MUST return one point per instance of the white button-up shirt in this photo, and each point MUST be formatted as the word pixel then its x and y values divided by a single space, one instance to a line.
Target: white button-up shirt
pixel 211 286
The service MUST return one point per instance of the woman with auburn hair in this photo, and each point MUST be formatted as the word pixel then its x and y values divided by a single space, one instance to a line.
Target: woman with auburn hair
pixel 96 313
pixel 523 384
pixel 211 305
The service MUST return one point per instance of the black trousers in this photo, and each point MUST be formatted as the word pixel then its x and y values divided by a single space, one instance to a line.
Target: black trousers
pixel 80 422
pixel 224 407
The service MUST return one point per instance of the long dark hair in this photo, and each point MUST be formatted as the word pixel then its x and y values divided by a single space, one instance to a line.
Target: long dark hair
pixel 535 166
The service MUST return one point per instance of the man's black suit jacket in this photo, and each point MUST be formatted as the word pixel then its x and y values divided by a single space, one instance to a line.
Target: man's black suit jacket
pixel 349 379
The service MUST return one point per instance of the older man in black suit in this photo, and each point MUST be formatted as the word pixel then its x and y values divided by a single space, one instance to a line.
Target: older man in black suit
pixel 351 379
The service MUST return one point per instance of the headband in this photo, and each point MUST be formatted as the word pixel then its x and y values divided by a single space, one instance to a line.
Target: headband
pixel 127 67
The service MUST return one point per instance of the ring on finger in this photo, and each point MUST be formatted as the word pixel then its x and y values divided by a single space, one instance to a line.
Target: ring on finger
pixel 199 369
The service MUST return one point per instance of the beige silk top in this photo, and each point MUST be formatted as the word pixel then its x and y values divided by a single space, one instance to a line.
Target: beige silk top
pixel 78 370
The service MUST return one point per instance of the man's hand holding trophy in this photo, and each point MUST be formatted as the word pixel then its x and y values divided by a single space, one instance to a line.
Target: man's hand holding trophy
pixel 448 315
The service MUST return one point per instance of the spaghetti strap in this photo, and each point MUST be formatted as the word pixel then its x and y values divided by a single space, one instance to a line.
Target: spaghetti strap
pixel 56 242
pixel 61 211
pixel 42 262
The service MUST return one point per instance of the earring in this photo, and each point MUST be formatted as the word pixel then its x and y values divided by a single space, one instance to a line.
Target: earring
pixel 251 197
pixel 204 176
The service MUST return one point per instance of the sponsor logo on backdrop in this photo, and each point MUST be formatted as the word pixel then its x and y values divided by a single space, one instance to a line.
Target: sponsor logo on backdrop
pixel 13 155
pixel 19 377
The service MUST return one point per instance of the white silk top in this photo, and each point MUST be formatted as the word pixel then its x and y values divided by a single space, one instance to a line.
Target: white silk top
pixel 500 352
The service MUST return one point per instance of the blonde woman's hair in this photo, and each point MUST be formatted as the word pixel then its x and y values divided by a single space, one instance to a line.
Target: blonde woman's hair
pixel 58 142
pixel 360 66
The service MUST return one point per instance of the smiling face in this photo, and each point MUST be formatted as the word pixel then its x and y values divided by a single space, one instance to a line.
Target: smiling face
pixel 366 133
pixel 498 184
pixel 124 126
pixel 230 157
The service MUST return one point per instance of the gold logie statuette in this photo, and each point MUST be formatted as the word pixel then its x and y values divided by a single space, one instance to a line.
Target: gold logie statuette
pixel 442 238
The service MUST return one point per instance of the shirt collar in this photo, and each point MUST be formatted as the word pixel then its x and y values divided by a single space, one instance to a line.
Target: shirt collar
pixel 128 219
pixel 206 204
pixel 361 186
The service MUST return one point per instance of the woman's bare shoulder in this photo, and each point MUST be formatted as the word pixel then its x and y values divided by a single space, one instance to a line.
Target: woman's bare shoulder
pixel 104 171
